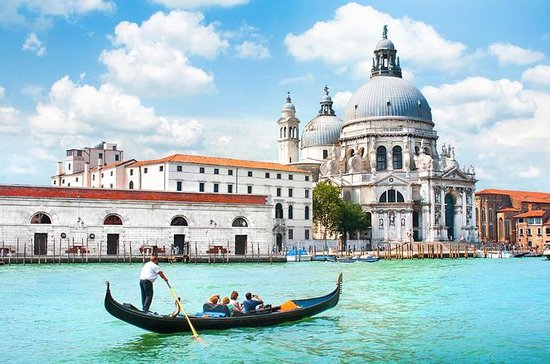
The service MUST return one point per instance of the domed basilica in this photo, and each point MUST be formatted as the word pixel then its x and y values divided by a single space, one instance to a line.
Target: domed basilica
pixel 384 155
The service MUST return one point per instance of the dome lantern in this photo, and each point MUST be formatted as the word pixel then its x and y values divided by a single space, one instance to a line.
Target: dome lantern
pixel 385 61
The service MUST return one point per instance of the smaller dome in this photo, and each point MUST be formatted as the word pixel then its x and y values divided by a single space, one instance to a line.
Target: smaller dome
pixel 289 105
pixel 385 44
pixel 322 130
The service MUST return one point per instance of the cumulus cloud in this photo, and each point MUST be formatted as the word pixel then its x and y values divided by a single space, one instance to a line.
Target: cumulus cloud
pixel 2 92
pixel 476 102
pixel 34 45
pixel 307 78
pixel 38 13
pixel 538 76
pixel 495 124
pixel 341 99
pixel 86 112
pixel 252 50
pixel 9 120
pixel 510 53
pixel 190 4
pixel 153 59
pixel 346 40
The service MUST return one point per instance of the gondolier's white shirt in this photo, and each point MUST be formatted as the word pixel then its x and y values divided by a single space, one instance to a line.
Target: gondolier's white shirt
pixel 150 271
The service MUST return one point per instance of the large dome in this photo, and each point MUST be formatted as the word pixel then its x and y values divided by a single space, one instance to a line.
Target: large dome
pixel 384 97
pixel 322 130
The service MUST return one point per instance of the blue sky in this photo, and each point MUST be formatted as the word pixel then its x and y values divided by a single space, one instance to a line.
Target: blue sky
pixel 210 76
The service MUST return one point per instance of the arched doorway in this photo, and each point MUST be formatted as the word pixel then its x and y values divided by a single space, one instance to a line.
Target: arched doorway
pixel 450 215
pixel 279 242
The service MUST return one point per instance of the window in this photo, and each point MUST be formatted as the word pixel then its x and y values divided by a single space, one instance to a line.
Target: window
pixel 131 185
pixel 534 221
pixel 306 193
pixel 93 177
pixel 79 153
pixel 111 173
pixel 63 181
pixel 266 174
pixel 101 155
pixel 290 177
pixel 520 220
pixel 112 220
pixel 117 157
pixel 381 162
pixel 325 154
pixel 307 178
pixel 306 213
pixel 161 168
pixel 279 176
pixel 290 233
pixel 391 196
pixel 278 211
pixel 178 221
pixel 69 166
pixel 111 185
pixel 201 186
pixel 290 192
pixel 41 219
pixel 229 188
pixel 249 173
pixel 54 183
pixel 144 170
pixel 278 191
pixel 216 171
pixel 131 172
pixel 520 232
pixel 539 232
pixel 216 187
pixel 69 184
pixel 529 231
pixel 103 174
pixel 306 232
pixel 249 189
pixel 547 231
pixel 178 186
pixel 76 179
pixel 201 170
pixel 230 172
pixel 179 168
pixel 239 222
pixel 397 157
pixel 290 212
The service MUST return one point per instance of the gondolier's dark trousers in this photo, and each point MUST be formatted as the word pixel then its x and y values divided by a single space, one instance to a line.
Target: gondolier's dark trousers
pixel 146 293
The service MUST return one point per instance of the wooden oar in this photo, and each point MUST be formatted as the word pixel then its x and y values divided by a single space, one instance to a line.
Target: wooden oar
pixel 195 333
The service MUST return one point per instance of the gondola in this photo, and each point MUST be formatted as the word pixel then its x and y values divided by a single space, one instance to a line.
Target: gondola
pixel 165 324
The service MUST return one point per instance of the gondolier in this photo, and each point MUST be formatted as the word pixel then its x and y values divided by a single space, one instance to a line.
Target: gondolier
pixel 149 274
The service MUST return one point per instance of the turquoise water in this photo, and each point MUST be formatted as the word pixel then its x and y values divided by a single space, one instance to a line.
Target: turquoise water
pixel 467 311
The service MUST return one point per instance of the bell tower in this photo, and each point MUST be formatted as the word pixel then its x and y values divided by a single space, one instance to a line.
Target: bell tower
pixel 289 141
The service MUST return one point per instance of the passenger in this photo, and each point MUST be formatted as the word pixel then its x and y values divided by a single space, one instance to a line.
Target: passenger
pixel 214 300
pixel 252 302
pixel 227 303
pixel 236 305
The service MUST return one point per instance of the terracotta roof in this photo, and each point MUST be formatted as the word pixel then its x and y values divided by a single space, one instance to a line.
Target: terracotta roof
pixel 218 161
pixel 509 209
pixel 113 164
pixel 532 213
pixel 129 195
pixel 524 196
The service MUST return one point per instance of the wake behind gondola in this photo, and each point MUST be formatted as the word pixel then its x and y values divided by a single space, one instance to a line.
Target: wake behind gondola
pixel 166 324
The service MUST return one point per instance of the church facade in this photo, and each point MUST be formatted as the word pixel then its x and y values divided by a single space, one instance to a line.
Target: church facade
pixel 384 155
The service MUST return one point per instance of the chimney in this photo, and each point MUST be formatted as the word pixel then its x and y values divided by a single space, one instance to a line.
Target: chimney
pixel 59 168
pixel 86 176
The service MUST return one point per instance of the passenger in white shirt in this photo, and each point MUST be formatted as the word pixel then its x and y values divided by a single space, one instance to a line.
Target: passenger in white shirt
pixel 149 274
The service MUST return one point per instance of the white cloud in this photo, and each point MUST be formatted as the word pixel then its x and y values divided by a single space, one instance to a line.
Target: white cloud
pixel 476 102
pixel 530 172
pixel 509 53
pixel 351 36
pixel 190 4
pixel 34 45
pixel 83 111
pixel 153 59
pixel 538 76
pixel 20 165
pixel 252 50
pixel 307 78
pixel 9 120
pixel 38 13
pixel 2 92
pixel 341 99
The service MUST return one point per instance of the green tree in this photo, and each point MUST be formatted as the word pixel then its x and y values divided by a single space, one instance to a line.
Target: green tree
pixel 352 219
pixel 327 202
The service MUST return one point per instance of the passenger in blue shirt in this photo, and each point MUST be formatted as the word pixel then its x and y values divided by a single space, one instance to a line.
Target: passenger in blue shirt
pixel 252 302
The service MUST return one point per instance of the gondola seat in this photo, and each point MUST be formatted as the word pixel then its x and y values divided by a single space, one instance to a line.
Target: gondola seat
pixel 216 310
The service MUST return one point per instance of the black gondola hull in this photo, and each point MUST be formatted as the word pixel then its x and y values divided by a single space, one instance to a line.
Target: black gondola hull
pixel 167 324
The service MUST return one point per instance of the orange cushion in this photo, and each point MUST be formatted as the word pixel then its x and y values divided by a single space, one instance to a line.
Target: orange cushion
pixel 288 306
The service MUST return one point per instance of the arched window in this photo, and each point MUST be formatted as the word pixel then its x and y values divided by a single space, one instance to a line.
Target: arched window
pixel 41 218
pixel 131 185
pixel 290 212
pixel 368 219
pixel 397 157
pixel 381 161
pixel 278 211
pixel 306 213
pixel 239 222
pixel 391 196
pixel 179 221
pixel 112 220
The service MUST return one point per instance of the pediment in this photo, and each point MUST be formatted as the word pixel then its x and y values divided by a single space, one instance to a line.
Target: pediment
pixel 391 180
pixel 456 175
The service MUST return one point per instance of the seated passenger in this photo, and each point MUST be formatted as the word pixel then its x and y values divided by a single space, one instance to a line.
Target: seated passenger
pixel 252 302
pixel 236 305
pixel 227 303
pixel 214 300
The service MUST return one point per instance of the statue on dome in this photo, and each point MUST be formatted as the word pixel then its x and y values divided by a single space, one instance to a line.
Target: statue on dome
pixel 385 32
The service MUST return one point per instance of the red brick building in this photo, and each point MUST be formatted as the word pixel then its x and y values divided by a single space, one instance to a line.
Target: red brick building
pixel 514 217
